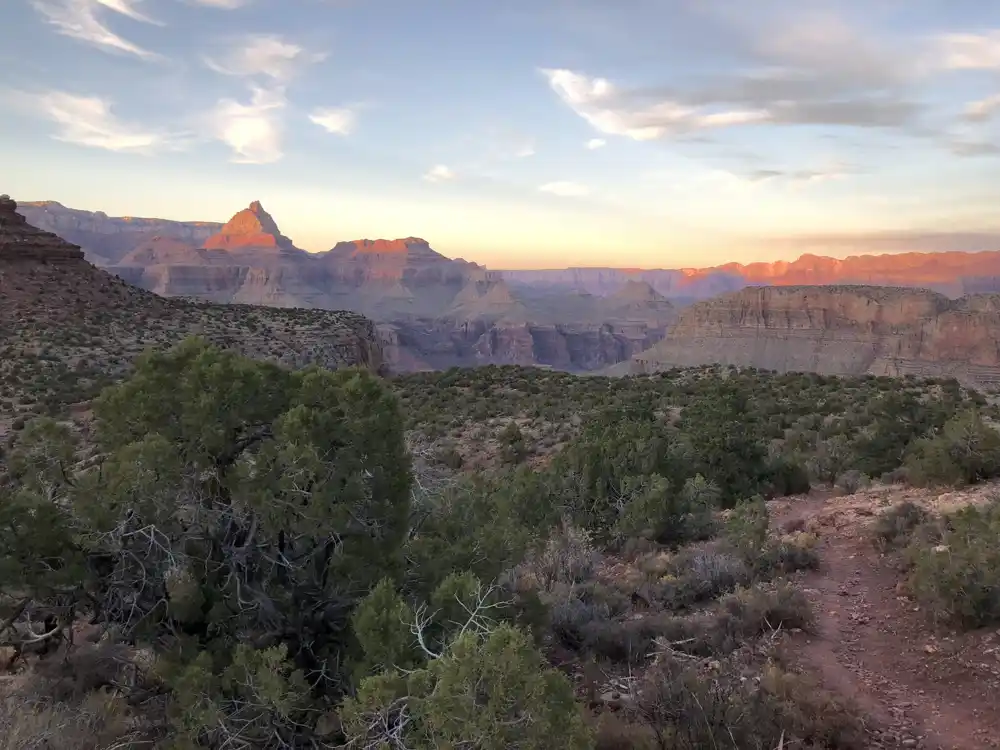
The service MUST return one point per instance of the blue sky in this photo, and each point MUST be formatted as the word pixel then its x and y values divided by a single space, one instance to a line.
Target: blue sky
pixel 522 133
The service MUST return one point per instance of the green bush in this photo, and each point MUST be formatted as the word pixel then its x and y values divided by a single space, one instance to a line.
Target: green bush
pixel 966 451
pixel 687 709
pixel 487 691
pixel 895 526
pixel 956 572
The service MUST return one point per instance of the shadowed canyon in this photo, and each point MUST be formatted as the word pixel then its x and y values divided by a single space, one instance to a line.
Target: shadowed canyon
pixel 919 313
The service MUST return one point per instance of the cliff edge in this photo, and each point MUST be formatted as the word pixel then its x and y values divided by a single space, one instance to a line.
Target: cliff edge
pixel 838 330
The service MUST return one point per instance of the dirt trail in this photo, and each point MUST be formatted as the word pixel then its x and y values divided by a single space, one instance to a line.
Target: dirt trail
pixel 922 688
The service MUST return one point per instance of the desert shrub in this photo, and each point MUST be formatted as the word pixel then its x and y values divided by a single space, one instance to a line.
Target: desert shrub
pixel 851 481
pixel 571 620
pixel 565 559
pixel 747 530
pixel 966 451
pixel 689 708
pixel 239 513
pixel 787 477
pixel 895 526
pixel 701 576
pixel 655 510
pixel 733 621
pixel 747 614
pixel 483 524
pixel 486 690
pixel 615 731
pixel 101 720
pixel 789 554
pixel 958 577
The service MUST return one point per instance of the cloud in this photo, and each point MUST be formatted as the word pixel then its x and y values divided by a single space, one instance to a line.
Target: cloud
pixel 797 177
pixel 595 143
pixel 440 173
pixel 565 189
pixel 614 112
pixel 80 19
pixel 971 51
pixel 528 149
pixel 961 147
pixel 983 109
pixel 266 55
pixel 339 121
pixel 89 121
pixel 223 4
pixel 790 68
pixel 253 131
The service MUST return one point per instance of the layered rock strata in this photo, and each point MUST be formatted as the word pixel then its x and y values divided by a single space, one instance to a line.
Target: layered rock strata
pixel 838 330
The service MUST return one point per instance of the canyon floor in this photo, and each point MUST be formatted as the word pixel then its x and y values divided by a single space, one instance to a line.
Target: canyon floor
pixel 921 686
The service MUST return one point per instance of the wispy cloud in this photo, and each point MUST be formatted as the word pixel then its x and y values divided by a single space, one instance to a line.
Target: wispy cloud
pixel 440 173
pixel 223 4
pixel 81 19
pixel 565 189
pixel 965 147
pixel 833 170
pixel 253 131
pixel 971 51
pixel 90 121
pixel 610 111
pixel 336 120
pixel 797 68
pixel 264 55
pixel 983 109
pixel 595 143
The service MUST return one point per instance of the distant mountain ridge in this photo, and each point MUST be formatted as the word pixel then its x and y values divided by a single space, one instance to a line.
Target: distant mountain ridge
pixel 435 311
pixel 952 273
pixel 107 240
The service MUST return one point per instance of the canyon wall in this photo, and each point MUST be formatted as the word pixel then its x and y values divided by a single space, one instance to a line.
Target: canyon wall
pixel 838 330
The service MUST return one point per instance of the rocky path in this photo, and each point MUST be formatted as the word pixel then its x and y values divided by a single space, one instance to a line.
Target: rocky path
pixel 920 688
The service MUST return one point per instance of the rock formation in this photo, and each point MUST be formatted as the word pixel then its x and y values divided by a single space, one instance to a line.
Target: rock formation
pixel 105 239
pixel 53 300
pixel 838 330
pixel 21 242
pixel 954 274
pixel 436 311
pixel 252 228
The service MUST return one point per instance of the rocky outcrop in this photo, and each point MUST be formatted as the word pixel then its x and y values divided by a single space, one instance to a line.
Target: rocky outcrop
pixel 253 229
pixel 106 239
pixel 22 243
pixel 92 324
pixel 838 330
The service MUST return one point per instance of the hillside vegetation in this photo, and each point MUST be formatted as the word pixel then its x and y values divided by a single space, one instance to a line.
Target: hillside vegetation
pixel 230 554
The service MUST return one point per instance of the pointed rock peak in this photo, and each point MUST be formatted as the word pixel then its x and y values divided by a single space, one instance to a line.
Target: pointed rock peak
pixel 638 291
pixel 19 241
pixel 253 227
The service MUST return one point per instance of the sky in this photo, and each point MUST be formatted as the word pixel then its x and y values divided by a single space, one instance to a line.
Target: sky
pixel 520 133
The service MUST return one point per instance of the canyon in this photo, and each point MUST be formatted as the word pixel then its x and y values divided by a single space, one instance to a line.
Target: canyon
pixel 908 313
pixel 432 311
pixel 837 330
